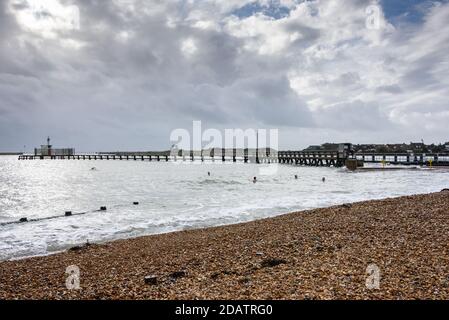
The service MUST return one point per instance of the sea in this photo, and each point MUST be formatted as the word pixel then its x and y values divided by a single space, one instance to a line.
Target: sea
pixel 171 197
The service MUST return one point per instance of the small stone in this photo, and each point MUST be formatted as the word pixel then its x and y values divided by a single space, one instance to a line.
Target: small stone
pixel 269 263
pixel 347 205
pixel 215 275
pixel 245 280
pixel 259 254
pixel 178 274
pixel 229 272
pixel 151 280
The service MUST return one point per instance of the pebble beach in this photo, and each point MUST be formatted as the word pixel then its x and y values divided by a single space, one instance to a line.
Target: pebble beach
pixel 316 254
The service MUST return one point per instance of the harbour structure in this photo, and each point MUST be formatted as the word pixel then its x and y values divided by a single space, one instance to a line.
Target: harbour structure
pixel 47 150
pixel 331 155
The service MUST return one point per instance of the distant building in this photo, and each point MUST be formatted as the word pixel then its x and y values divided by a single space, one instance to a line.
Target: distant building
pixel 417 146
pixel 313 148
pixel 446 146
pixel 344 149
pixel 48 150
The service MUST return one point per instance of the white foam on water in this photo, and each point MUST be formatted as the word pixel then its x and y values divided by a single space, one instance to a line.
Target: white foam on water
pixel 171 197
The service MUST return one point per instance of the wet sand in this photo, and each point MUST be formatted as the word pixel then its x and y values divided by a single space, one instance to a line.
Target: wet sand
pixel 316 254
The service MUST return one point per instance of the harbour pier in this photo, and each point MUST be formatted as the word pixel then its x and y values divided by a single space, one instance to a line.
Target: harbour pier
pixel 339 155
pixel 225 156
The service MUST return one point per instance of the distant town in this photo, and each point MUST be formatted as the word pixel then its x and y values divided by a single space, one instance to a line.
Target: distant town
pixel 412 147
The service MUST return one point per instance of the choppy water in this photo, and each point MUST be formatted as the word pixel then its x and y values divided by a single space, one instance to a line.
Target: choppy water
pixel 172 197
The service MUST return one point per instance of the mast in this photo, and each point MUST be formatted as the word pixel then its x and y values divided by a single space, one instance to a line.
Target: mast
pixel 257 147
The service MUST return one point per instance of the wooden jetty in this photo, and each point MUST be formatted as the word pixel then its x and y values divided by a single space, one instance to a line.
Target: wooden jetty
pixel 164 157
pixel 323 158
pixel 313 158
pixel 328 158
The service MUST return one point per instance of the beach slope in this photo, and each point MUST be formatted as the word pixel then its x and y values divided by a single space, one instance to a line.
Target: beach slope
pixel 316 254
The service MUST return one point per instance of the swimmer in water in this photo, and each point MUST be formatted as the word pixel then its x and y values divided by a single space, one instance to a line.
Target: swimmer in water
pixel 93 169
pixel 208 173
pixel 324 179
pixel 296 176
pixel 255 180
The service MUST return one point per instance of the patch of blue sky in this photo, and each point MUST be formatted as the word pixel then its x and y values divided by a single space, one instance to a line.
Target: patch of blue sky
pixel 272 9
pixel 396 11
pixel 411 11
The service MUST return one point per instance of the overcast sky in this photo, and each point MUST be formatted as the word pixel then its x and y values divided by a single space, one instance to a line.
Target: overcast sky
pixel 122 74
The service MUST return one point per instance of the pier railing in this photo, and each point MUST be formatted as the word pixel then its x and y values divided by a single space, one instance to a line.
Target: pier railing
pixel 313 158
pixel 163 157
pixel 433 159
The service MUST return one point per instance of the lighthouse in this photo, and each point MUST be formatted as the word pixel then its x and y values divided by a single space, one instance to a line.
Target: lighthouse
pixel 48 146
pixel 46 150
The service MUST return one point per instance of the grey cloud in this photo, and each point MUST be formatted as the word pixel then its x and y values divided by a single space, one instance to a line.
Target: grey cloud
pixel 356 115
pixel 307 34
pixel 269 100
pixel 393 89
pixel 128 93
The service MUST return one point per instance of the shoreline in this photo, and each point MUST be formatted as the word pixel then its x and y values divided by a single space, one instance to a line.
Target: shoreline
pixel 67 247
pixel 314 254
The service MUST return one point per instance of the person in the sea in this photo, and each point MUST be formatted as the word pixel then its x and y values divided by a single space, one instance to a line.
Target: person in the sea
pixel 255 180
pixel 324 179
pixel 208 173
pixel 296 176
